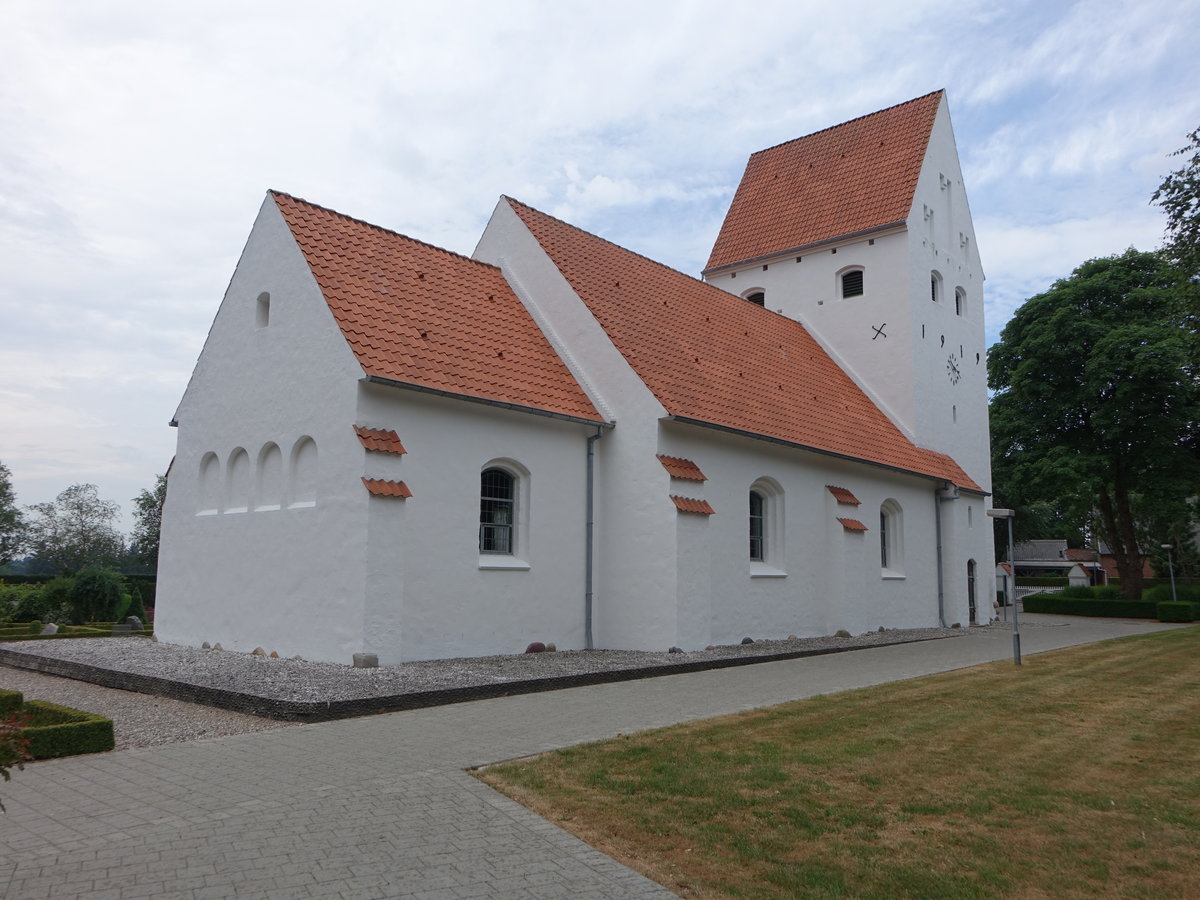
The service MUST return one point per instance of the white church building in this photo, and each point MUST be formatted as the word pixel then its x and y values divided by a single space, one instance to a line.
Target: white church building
pixel 390 448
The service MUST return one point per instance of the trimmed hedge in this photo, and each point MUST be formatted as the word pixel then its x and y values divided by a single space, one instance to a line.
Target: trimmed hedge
pixel 1058 604
pixel 1182 611
pixel 10 702
pixel 61 731
pixel 1042 580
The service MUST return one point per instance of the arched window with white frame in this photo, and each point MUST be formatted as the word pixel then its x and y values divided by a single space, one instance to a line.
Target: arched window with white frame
pixel 497 511
pixel 851 282
pixel 757 296
pixel 960 301
pixel 766 528
pixel 891 538
pixel 935 286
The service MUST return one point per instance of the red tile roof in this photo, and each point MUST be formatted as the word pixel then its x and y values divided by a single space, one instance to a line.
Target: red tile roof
pixel 852 524
pixel 843 496
pixel 681 468
pixel 846 179
pixel 379 440
pixel 688 505
pixel 713 358
pixel 420 315
pixel 382 488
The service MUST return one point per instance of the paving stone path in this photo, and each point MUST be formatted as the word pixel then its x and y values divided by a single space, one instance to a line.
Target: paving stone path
pixel 381 806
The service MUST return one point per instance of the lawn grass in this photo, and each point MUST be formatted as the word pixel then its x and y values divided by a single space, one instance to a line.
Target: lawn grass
pixel 1076 774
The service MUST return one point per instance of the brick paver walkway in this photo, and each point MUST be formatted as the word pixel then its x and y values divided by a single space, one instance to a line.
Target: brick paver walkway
pixel 380 806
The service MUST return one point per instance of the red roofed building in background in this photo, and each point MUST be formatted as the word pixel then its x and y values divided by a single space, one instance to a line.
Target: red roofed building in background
pixel 539 408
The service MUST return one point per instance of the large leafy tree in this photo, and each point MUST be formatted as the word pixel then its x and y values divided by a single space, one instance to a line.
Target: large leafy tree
pixel 148 521
pixel 12 526
pixel 75 531
pixel 1096 407
pixel 1179 196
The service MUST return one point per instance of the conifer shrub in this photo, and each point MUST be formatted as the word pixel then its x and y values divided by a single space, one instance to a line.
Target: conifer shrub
pixel 96 595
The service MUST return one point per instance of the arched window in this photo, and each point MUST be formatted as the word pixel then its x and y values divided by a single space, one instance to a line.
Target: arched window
pixel 758 508
pixel 960 301
pixel 852 283
pixel 935 286
pixel 757 296
pixel 766 528
pixel 891 538
pixel 497 508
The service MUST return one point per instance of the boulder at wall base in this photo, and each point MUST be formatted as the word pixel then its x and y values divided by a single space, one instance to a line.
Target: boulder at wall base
pixel 747 640
pixel 536 647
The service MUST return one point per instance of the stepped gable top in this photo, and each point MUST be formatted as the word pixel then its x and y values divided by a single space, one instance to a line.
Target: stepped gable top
pixel 713 358
pixel 850 178
pixel 423 316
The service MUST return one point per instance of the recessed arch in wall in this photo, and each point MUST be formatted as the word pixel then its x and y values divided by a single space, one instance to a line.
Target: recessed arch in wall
pixel 891 537
pixel 262 310
pixel 237 481
pixel 269 481
pixel 210 485
pixel 302 474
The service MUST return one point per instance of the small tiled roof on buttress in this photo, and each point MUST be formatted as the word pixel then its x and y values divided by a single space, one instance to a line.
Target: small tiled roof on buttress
pixel 712 357
pixel 424 316
pixel 846 179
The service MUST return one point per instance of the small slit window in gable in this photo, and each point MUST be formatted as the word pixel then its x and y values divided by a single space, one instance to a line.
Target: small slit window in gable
pixel 758 298
pixel 262 311
pixel 852 283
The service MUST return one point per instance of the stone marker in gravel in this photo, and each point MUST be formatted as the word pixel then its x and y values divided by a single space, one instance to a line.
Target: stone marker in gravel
pixel 50 628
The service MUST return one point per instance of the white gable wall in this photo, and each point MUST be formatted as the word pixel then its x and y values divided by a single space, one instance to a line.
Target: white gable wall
pixel 635 575
pixel 281 568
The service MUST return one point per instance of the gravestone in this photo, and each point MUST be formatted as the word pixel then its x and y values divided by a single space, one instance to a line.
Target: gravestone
pixel 135 623
pixel 50 628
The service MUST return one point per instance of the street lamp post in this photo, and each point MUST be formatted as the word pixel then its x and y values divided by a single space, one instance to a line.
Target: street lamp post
pixel 1011 514
pixel 1171 568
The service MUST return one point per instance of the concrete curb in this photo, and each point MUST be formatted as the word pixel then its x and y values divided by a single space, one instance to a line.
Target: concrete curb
pixel 309 711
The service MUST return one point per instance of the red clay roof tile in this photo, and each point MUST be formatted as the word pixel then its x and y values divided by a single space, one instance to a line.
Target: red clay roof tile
pixel 852 524
pixel 379 440
pixel 382 488
pixel 714 358
pixel 843 495
pixel 688 505
pixel 681 468
pixel 421 315
pixel 846 179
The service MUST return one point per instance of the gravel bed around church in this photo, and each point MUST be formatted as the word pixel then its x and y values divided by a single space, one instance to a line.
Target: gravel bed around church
pixel 300 680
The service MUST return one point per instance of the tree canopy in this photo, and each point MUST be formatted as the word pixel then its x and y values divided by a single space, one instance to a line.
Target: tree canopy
pixel 1179 196
pixel 148 522
pixel 12 526
pixel 75 531
pixel 1096 407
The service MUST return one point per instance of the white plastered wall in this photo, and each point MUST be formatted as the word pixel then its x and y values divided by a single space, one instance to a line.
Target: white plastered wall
pixel 430 593
pixel 282 573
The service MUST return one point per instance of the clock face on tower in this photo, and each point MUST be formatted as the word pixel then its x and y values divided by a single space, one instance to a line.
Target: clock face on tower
pixel 952 369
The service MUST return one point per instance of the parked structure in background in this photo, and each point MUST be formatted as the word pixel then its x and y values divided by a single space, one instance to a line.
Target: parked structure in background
pixel 388 448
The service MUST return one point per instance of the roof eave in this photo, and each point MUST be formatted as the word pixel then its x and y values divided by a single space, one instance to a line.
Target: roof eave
pixel 771 439
pixel 824 242
pixel 487 401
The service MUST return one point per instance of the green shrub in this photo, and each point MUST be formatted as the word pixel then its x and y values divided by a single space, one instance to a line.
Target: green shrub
pixel 1051 604
pixel 1064 604
pixel 1161 593
pixel 97 594
pixel 1182 611
pixel 61 731
pixel 1107 592
pixel 25 603
pixel 56 599
pixel 1078 591
pixel 10 702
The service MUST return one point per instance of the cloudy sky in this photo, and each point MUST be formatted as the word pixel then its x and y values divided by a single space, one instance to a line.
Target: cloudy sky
pixel 137 139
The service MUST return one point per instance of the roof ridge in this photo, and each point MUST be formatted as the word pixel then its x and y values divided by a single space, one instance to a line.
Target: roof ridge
pixel 655 262
pixel 374 227
pixel 869 115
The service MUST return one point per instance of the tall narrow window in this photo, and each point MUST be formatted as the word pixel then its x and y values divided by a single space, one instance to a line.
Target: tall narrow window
pixel 757 525
pixel 883 538
pixel 891 539
pixel 262 316
pixel 960 301
pixel 852 283
pixel 935 286
pixel 496 502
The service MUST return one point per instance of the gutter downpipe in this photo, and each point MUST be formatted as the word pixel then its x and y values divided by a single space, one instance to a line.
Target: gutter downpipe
pixel 943 494
pixel 589 550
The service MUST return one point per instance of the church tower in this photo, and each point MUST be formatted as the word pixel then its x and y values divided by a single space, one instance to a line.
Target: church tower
pixel 863 234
